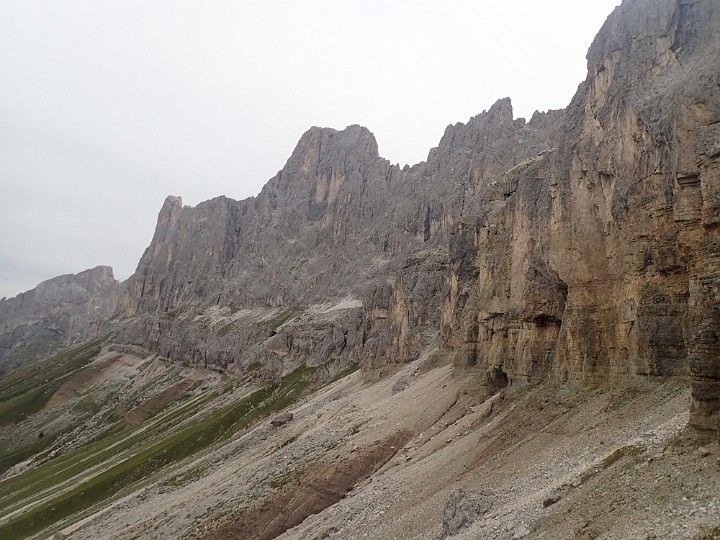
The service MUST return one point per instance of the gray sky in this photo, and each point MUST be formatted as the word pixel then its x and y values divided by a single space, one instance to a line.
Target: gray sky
pixel 108 106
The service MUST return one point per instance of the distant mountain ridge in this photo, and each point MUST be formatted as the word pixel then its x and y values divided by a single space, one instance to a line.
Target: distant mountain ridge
pixel 583 244
pixel 58 312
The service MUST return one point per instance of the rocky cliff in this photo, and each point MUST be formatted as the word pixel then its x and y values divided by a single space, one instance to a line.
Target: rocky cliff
pixel 341 258
pixel 603 259
pixel 582 244
pixel 58 312
pixel 535 308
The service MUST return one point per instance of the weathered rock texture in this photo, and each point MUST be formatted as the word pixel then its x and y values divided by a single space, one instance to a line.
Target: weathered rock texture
pixel 581 244
pixel 58 312
pixel 600 258
pixel 462 508
pixel 341 258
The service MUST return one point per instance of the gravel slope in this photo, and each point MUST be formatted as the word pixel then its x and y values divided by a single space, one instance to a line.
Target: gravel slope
pixel 614 460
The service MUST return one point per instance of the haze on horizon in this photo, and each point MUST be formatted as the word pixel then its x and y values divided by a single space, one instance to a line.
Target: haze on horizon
pixel 107 107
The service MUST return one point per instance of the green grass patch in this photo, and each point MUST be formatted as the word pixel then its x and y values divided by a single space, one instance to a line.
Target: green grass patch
pixel 277 321
pixel 610 459
pixel 51 372
pixel 117 439
pixel 17 408
pixel 143 461
pixel 35 446
pixel 345 372
pixel 172 314
pixel 86 406
pixel 225 330
pixel 26 391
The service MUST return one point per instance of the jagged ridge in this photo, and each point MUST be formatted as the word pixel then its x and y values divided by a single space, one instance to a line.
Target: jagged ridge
pixel 582 244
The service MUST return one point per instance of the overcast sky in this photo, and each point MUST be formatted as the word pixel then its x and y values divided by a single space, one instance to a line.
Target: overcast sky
pixel 108 106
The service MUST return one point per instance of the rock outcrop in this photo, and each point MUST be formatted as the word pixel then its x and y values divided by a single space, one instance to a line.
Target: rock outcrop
pixel 342 258
pixel 600 258
pixel 58 312
pixel 582 244
pixel 462 508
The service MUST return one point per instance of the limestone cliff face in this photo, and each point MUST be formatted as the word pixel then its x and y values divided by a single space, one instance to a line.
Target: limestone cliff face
pixel 581 244
pixel 230 283
pixel 603 260
pixel 60 311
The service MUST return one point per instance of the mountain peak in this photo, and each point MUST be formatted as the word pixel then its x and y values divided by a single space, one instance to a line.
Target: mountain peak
pixel 326 155
pixel 321 141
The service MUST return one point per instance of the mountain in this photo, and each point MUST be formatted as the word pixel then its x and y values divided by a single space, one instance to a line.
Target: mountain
pixel 518 337
pixel 61 311
pixel 580 245
pixel 603 262
pixel 341 258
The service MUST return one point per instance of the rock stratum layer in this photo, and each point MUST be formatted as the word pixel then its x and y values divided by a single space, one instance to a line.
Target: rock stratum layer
pixel 582 244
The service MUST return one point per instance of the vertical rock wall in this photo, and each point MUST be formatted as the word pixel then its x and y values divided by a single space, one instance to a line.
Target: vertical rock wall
pixel 600 258
pixel 581 244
